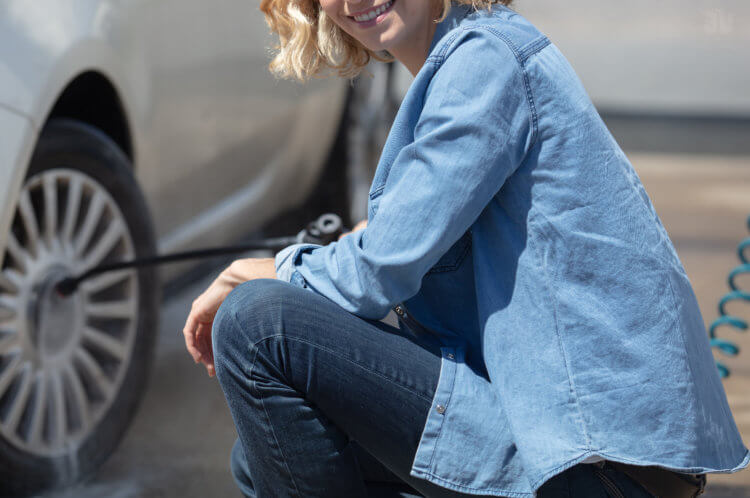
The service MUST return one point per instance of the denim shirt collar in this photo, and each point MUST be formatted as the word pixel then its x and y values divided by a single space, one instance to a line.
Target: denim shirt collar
pixel 454 17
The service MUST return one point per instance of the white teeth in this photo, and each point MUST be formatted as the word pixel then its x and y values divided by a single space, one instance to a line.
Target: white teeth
pixel 374 13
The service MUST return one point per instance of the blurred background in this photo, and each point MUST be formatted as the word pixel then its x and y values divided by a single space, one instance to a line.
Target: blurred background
pixel 128 126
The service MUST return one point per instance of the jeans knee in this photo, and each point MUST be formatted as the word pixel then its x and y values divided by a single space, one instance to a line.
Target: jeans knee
pixel 250 313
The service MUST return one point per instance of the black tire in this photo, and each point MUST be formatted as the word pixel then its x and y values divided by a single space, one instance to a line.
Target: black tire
pixel 77 146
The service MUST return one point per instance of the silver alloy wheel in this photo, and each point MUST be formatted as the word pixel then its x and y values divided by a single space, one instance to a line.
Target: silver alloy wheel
pixel 63 359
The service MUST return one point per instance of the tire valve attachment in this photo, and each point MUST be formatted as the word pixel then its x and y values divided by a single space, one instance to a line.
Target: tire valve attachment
pixel 66 286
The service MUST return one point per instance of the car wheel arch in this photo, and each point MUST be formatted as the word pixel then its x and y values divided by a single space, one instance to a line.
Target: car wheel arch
pixel 92 98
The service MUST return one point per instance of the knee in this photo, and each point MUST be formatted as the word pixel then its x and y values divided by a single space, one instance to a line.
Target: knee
pixel 250 313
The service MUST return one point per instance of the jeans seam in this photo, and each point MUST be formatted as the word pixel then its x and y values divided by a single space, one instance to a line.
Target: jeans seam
pixel 424 397
pixel 259 394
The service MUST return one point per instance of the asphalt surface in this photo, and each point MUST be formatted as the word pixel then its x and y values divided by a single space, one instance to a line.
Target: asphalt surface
pixel 179 443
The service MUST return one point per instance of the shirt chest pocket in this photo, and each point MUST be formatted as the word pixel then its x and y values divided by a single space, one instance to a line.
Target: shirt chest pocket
pixel 452 259
pixel 374 201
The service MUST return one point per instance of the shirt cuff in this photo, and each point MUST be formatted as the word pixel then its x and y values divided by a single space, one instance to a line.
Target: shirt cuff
pixel 285 260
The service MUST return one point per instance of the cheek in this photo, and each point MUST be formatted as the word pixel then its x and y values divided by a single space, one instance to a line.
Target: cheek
pixel 329 7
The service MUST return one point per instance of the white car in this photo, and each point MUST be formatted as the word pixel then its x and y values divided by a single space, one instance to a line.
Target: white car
pixel 129 128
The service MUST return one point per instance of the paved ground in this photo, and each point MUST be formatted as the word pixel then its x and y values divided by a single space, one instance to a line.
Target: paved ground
pixel 180 441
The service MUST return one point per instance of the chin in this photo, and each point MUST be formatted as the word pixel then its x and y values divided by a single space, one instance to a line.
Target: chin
pixel 385 42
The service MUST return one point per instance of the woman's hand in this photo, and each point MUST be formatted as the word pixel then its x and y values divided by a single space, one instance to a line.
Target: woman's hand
pixel 197 330
pixel 359 226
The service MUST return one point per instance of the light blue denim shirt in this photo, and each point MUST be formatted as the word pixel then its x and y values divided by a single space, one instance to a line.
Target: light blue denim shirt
pixel 511 228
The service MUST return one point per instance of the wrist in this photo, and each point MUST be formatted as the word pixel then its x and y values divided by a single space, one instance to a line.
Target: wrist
pixel 242 270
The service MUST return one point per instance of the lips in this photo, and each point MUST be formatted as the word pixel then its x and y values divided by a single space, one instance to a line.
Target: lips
pixel 370 16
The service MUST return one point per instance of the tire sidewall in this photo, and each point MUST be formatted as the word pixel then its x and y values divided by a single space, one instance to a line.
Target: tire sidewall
pixel 76 145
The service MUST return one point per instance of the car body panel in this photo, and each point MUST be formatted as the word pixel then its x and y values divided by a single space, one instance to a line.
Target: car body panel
pixel 212 131
pixel 16 143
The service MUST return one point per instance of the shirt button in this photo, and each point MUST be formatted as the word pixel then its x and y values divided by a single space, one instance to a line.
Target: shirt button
pixel 440 408
pixel 399 310
pixel 450 356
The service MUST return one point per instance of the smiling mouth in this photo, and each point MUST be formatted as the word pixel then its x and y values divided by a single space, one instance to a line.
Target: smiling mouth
pixel 372 14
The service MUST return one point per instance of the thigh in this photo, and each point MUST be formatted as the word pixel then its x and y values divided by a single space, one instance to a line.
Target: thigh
pixel 373 381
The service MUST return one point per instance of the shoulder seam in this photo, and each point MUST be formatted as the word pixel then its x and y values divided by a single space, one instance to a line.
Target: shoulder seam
pixel 533 47
pixel 521 56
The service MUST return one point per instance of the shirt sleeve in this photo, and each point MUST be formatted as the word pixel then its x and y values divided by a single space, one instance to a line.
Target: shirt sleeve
pixel 285 257
pixel 473 131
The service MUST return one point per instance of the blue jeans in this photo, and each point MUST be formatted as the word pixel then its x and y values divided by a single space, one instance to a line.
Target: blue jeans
pixel 327 404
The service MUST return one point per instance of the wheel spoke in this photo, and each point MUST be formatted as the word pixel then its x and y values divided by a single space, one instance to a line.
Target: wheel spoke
pixel 28 216
pixel 93 372
pixel 105 280
pixel 59 413
pixel 8 342
pixel 112 309
pixel 8 302
pixel 49 183
pixel 106 242
pixel 8 323
pixel 9 374
pixel 89 224
pixel 79 395
pixel 75 188
pixel 10 281
pixel 105 342
pixel 40 407
pixel 20 401
pixel 19 254
pixel 8 307
pixel 52 397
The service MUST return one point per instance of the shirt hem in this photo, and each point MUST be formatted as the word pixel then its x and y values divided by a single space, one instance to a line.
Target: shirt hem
pixel 444 483
pixel 448 484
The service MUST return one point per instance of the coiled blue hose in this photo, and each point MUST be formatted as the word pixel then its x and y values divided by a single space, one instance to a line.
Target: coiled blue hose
pixel 726 347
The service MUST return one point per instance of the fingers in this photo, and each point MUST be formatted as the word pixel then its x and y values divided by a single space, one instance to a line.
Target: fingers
pixel 197 330
pixel 198 341
pixel 206 347
pixel 203 342
pixel 190 341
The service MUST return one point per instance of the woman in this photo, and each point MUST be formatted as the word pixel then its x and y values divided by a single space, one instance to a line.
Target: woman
pixel 549 339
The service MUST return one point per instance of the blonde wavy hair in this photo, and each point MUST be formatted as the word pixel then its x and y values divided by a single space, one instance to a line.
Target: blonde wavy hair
pixel 312 45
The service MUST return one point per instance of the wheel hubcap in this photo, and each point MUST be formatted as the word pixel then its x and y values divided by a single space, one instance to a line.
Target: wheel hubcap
pixel 63 358
pixel 49 309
